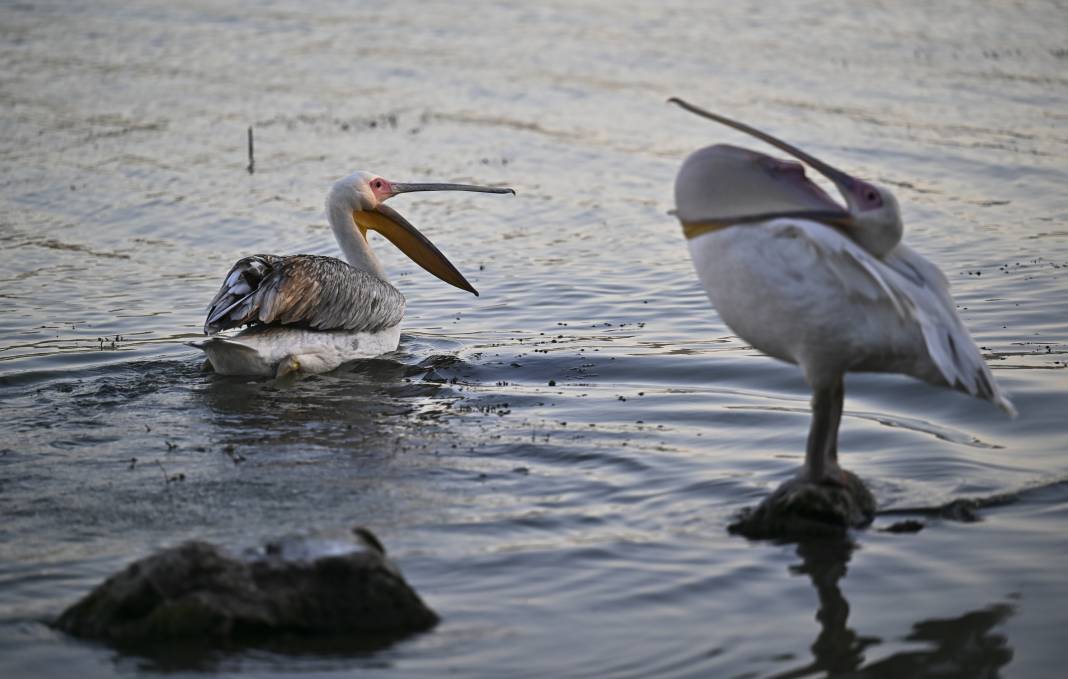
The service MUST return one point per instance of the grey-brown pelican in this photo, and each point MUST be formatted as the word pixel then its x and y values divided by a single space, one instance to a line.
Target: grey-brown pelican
pixel 310 314
pixel 826 287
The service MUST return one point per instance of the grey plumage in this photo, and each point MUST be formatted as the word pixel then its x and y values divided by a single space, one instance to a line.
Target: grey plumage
pixel 309 291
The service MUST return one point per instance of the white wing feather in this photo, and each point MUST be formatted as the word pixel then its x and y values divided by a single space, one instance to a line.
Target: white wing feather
pixel 918 292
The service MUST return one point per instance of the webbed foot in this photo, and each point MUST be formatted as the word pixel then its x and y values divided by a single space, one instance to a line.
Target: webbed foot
pixel 288 368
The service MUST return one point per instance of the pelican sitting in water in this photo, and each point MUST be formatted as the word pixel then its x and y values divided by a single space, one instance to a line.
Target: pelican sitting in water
pixel 309 313
pixel 828 288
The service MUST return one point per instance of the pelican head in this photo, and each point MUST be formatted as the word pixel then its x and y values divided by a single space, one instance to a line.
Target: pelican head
pixel 761 187
pixel 363 195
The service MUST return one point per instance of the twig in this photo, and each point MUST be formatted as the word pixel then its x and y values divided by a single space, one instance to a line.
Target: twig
pixel 251 161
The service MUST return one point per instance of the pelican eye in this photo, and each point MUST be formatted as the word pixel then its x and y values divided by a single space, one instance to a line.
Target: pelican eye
pixel 872 197
pixel 376 184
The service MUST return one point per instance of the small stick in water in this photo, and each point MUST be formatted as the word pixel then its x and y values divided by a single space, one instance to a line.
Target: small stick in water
pixel 251 161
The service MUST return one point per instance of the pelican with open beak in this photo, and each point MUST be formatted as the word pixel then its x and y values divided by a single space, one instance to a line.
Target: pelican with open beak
pixel 310 314
pixel 827 287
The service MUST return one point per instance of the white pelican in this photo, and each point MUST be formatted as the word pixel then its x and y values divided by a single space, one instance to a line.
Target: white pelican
pixel 309 313
pixel 828 288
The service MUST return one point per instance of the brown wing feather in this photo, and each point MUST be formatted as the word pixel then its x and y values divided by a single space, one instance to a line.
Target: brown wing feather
pixel 309 291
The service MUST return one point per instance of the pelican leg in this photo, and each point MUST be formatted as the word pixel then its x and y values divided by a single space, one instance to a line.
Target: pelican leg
pixel 837 403
pixel 821 454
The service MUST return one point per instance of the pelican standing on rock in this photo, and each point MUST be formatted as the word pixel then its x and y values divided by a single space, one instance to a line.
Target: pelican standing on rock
pixel 828 288
pixel 310 314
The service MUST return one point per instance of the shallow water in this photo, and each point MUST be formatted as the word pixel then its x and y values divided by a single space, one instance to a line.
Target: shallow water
pixel 576 529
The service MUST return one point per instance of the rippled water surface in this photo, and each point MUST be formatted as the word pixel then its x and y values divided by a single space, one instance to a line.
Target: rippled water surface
pixel 553 463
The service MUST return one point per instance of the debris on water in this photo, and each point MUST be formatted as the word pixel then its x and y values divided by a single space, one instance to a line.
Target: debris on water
pixel 109 342
pixel 235 457
pixel 167 478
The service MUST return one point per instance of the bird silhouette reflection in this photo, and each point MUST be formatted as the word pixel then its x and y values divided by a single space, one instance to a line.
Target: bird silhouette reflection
pixel 965 646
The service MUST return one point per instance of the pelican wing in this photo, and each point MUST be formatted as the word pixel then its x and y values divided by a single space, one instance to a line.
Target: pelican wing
pixel 919 294
pixel 727 184
pixel 322 293
pixel 859 272
pixel 949 343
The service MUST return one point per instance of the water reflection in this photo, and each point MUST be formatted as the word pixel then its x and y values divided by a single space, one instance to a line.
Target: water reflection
pixel 365 400
pixel 292 653
pixel 838 648
pixel 964 647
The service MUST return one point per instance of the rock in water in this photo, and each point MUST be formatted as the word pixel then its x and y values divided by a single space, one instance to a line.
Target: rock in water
pixel 304 586
pixel 800 508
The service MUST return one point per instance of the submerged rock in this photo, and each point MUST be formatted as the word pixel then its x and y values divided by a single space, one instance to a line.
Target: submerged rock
pixel 298 585
pixel 965 510
pixel 906 526
pixel 801 508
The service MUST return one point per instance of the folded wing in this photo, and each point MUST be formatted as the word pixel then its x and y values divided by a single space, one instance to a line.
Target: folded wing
pixel 918 293
pixel 321 293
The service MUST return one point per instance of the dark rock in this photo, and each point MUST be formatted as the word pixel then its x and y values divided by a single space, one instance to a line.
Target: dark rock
pixel 298 585
pixel 800 508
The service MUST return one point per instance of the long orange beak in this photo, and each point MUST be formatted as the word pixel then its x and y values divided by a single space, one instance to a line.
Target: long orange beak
pixel 388 222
